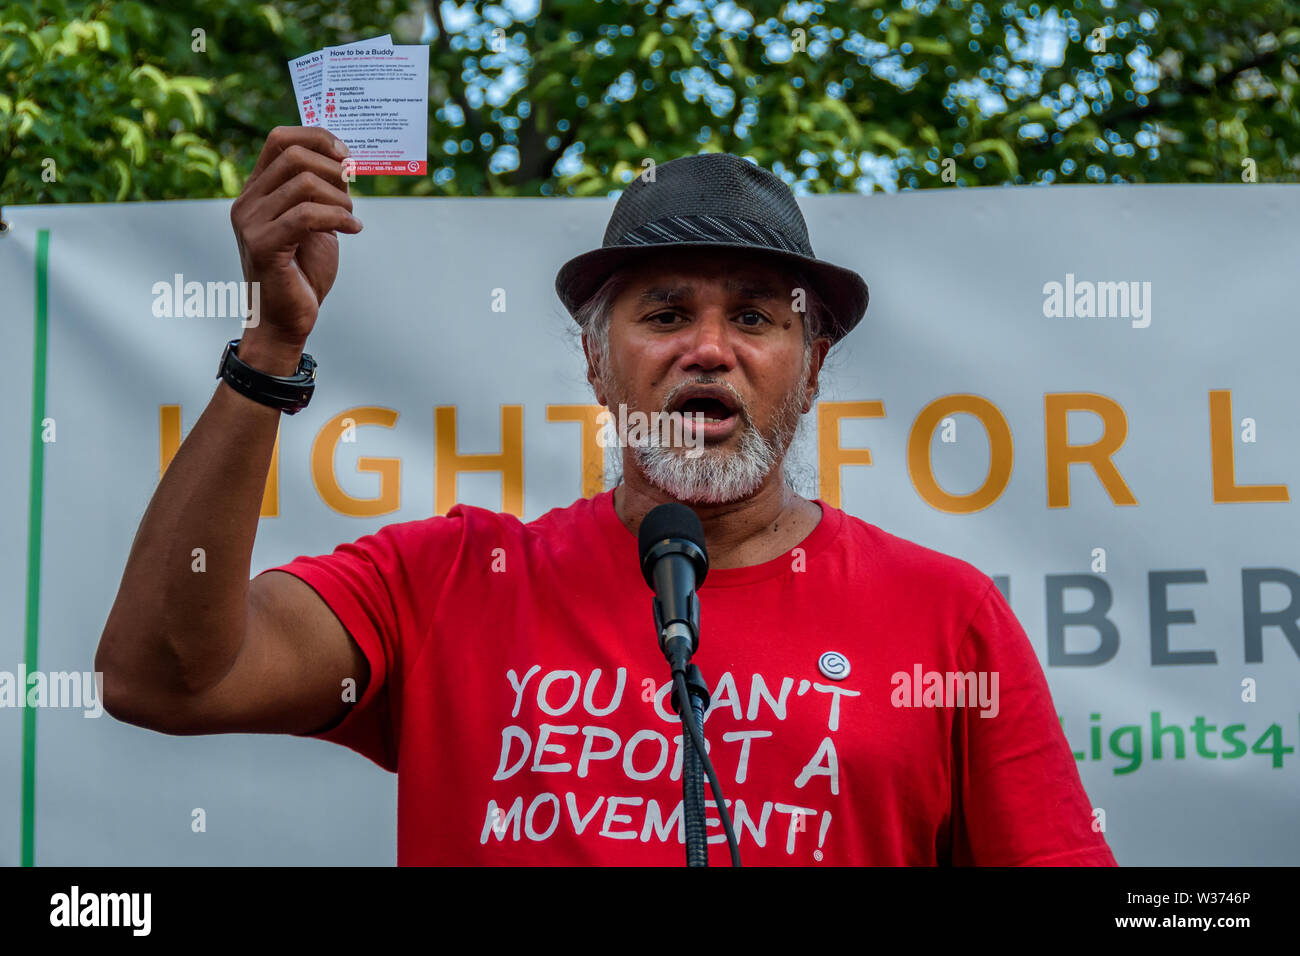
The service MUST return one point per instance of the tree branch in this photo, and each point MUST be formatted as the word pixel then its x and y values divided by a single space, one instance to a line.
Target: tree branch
pixel 1187 88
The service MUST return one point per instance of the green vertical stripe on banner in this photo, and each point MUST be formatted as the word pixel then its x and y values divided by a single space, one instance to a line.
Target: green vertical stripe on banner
pixel 34 541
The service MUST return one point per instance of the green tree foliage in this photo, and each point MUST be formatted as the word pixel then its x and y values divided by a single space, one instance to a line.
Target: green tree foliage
pixel 573 97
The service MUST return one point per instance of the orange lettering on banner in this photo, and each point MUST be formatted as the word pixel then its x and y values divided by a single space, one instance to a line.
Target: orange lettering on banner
pixel 449 462
pixel 1223 464
pixel 1001 453
pixel 593 456
pixel 830 455
pixel 325 478
pixel 169 442
pixel 1061 454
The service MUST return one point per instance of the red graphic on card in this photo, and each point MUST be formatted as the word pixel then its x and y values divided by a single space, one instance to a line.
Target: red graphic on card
pixel 391 167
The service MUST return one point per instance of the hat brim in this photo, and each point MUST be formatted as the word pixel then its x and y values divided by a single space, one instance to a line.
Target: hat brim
pixel 843 291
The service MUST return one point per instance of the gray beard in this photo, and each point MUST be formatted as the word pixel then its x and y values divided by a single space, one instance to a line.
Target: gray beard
pixel 717 476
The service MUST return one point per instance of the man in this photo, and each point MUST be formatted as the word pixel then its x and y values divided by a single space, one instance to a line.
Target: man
pixel 508 672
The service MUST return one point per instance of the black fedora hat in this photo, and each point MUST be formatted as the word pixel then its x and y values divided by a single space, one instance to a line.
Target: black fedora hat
pixel 712 200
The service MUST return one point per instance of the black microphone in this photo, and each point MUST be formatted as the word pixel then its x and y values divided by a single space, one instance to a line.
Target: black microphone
pixel 674 562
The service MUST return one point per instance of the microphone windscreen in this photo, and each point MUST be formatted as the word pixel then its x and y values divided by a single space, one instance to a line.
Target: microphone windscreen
pixel 671 520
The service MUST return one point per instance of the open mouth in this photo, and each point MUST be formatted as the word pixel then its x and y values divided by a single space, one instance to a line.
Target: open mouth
pixel 713 403
pixel 713 409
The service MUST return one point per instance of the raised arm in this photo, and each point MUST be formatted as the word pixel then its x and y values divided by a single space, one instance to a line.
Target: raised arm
pixel 188 652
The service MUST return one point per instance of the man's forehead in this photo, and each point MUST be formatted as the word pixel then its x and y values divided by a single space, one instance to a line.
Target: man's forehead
pixel 667 278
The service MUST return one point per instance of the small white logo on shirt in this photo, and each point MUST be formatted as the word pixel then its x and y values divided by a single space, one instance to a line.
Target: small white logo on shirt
pixel 834 665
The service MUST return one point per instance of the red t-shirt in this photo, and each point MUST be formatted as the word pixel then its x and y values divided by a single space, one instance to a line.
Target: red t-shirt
pixel 518 690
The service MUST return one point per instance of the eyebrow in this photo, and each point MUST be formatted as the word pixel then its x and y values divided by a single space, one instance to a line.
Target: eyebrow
pixel 746 287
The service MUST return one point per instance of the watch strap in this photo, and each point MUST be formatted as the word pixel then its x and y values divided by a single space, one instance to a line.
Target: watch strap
pixel 289 393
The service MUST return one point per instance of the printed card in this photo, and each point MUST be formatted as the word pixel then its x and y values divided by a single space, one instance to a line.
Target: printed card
pixel 308 76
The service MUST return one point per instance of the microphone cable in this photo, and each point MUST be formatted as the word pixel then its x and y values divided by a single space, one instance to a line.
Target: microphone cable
pixel 697 742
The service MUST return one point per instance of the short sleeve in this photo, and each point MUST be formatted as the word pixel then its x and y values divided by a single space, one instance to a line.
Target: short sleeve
pixel 1019 800
pixel 384 588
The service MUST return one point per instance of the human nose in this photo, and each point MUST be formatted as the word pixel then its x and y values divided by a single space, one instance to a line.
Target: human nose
pixel 708 344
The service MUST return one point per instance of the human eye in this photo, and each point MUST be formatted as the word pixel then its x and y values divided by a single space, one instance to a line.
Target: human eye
pixel 751 313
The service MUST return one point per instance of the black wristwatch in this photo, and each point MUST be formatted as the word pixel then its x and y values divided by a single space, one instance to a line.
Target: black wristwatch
pixel 289 394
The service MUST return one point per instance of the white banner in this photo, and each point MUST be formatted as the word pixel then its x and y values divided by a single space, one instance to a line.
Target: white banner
pixel 1086 392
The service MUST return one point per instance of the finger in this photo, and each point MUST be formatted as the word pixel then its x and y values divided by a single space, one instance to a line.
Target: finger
pixel 299 222
pixel 312 137
pixel 294 160
pixel 304 187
